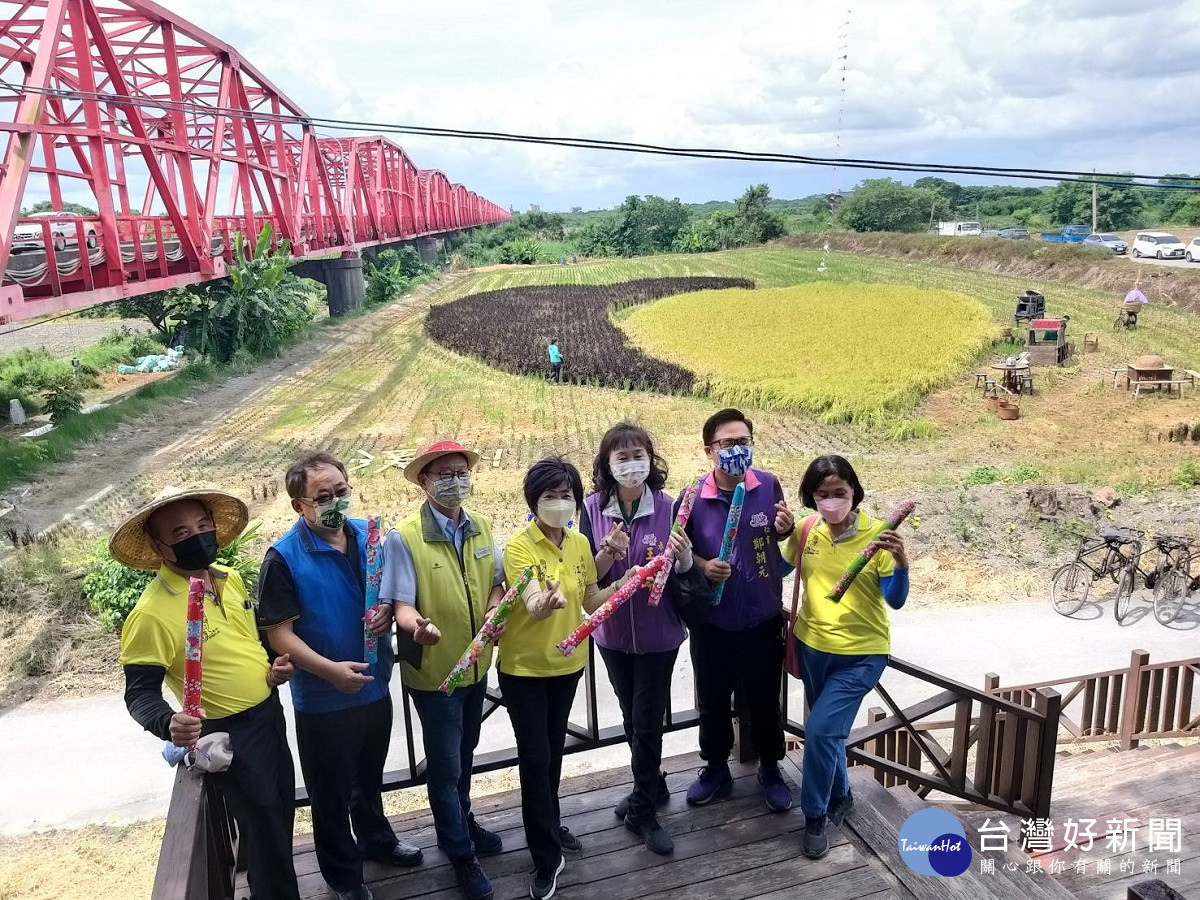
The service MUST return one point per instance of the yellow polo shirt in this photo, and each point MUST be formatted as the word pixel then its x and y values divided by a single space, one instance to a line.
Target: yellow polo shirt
pixel 858 624
pixel 235 663
pixel 528 646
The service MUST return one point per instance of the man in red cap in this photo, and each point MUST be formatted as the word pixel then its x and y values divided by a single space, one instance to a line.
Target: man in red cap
pixel 444 576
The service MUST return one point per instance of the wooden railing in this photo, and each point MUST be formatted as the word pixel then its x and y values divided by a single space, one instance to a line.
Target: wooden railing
pixel 198 859
pixel 993 751
pixel 1160 700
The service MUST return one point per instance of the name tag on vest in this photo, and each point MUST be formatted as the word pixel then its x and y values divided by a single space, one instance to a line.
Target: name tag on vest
pixel 482 552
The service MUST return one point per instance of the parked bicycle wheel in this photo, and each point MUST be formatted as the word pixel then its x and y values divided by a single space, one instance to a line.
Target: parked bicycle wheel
pixel 1070 587
pixel 1169 594
pixel 1124 594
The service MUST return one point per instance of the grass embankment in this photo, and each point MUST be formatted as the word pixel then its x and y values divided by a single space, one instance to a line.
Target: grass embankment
pixel 842 352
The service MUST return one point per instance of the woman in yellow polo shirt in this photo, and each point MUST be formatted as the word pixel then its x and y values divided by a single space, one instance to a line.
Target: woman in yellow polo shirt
pixel 537 681
pixel 844 646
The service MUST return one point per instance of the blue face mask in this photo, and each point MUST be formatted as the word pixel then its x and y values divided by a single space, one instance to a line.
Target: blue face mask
pixel 735 461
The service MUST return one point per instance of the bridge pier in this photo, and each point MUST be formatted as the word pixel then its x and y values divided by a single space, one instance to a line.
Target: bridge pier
pixel 345 286
pixel 428 248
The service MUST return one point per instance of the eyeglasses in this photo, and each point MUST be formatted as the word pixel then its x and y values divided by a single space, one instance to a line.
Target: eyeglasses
pixel 728 443
pixel 449 473
pixel 321 499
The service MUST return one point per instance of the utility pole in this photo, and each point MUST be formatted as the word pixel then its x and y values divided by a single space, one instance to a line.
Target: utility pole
pixel 1094 217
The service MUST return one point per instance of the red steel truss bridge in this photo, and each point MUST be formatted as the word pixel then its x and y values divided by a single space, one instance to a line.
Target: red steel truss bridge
pixel 186 151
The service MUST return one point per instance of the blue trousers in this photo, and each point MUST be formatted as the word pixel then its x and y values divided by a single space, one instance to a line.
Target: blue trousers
pixel 450 730
pixel 834 687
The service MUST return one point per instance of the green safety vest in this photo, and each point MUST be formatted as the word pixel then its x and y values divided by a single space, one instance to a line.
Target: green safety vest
pixel 451 594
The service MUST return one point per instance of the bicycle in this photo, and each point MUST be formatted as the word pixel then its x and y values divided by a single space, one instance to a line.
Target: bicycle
pixel 1122 552
pixel 1127 317
pixel 1174 582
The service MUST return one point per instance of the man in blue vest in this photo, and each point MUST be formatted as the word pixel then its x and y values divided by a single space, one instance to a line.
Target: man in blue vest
pixel 311 606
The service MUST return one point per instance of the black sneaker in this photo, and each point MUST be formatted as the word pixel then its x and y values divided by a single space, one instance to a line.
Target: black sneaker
pixel 472 879
pixel 839 808
pixel 656 838
pixel 661 798
pixel 568 842
pixel 816 841
pixel 543 885
pixel 486 842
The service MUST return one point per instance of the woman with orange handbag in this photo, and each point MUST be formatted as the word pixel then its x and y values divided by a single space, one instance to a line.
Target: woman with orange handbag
pixel 841 647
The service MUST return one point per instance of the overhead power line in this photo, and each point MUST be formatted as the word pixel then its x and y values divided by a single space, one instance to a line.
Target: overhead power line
pixel 1110 179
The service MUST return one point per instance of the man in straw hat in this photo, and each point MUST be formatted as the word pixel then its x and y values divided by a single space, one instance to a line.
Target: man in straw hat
pixel 445 575
pixel 311 606
pixel 178 535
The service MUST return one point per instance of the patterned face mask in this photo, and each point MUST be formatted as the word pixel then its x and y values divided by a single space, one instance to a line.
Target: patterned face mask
pixel 631 474
pixel 333 514
pixel 452 491
pixel 735 461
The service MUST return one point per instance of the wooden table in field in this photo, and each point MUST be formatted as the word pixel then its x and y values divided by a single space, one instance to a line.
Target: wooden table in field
pixel 1013 375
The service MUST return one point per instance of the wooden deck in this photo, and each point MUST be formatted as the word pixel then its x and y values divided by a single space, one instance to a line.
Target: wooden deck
pixel 732 848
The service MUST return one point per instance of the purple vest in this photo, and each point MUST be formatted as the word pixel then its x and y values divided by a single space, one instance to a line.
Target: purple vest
pixel 754 592
pixel 637 627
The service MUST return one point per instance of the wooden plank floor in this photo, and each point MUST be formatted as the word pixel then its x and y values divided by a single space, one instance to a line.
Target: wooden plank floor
pixel 732 849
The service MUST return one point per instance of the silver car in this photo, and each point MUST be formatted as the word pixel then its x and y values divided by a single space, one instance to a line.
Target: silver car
pixel 1111 241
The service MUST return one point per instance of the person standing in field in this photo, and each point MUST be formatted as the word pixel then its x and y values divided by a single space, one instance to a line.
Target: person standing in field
pixel 844 646
pixel 743 641
pixel 537 681
pixel 311 607
pixel 445 576
pixel 627 521
pixel 178 535
pixel 556 361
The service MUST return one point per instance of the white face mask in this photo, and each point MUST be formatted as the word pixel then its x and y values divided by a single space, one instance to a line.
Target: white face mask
pixel 556 513
pixel 630 473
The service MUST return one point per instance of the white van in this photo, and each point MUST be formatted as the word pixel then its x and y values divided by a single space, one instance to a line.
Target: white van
pixel 1158 244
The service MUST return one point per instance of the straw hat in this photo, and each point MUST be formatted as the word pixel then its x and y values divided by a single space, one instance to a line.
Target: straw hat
pixel 131 544
pixel 437 449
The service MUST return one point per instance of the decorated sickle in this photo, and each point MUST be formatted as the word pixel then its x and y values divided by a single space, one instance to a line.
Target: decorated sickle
pixel 487 633
pixel 731 530
pixel 193 649
pixel 374 578
pixel 641 574
pixel 681 520
pixel 898 515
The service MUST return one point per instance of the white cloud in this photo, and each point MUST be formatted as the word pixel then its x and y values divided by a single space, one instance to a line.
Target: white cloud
pixel 1068 84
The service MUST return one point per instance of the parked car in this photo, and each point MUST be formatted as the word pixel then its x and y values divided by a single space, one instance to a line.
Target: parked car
pixel 28 235
pixel 989 232
pixel 1159 244
pixel 1111 242
pixel 1070 234
pixel 1016 232
pixel 1192 253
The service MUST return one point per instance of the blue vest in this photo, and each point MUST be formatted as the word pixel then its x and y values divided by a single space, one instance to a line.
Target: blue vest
pixel 332 606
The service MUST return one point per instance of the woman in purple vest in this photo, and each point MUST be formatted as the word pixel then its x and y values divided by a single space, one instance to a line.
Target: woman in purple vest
pixel 628 522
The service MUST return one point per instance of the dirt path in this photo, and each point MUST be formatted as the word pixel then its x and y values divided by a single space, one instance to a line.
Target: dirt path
pixel 209 437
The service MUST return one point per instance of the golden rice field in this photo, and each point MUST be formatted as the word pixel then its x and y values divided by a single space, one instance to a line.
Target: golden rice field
pixel 842 351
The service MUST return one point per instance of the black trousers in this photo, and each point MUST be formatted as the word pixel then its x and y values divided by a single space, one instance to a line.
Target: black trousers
pixel 342 755
pixel 539 709
pixel 556 371
pixel 260 789
pixel 753 659
pixel 642 682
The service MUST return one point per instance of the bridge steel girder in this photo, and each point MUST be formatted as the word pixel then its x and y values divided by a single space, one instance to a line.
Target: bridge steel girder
pixel 125 88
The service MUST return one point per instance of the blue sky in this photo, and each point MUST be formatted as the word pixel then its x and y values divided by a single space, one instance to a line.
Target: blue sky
pixel 1068 84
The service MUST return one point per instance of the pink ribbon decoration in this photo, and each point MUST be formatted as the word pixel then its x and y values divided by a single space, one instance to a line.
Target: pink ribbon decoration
pixel 898 515
pixel 681 519
pixel 641 574
pixel 193 649
pixel 374 564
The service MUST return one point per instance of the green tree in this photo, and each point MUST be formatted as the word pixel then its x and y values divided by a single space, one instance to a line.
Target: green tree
pixel 947 190
pixel 74 209
pixel 758 223
pixel 1070 202
pixel 882 204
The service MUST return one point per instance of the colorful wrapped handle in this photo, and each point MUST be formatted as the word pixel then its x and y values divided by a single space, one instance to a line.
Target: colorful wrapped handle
pixel 641 574
pixel 193 660
pixel 374 578
pixel 898 515
pixel 681 519
pixel 487 633
pixel 731 530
